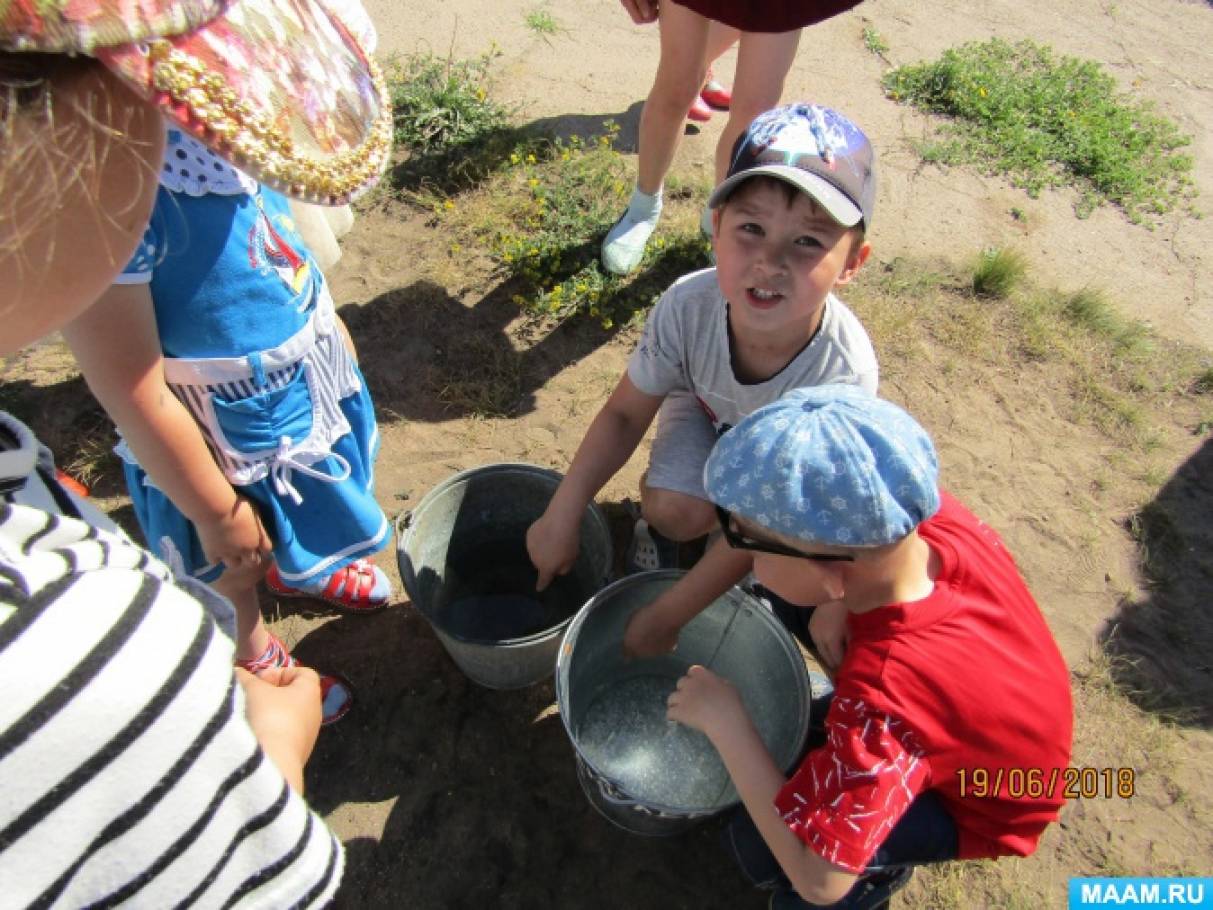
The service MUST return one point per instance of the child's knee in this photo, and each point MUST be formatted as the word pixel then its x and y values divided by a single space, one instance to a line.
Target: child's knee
pixel 677 516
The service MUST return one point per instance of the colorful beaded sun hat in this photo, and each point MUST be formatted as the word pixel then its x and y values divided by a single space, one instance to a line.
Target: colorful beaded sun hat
pixel 279 87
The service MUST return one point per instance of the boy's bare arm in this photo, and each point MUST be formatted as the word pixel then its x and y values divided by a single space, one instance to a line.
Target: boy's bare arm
pixel 616 431
pixel 654 628
pixel 118 350
pixel 710 704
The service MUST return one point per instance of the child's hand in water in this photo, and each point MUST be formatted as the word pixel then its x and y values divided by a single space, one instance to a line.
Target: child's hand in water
pixel 705 702
pixel 649 632
pixel 552 545
pixel 238 540
pixel 828 628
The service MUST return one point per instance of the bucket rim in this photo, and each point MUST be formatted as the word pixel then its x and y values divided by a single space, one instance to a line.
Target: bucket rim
pixel 405 525
pixel 564 658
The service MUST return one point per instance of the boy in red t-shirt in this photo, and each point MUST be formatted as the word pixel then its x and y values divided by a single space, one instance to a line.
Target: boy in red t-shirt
pixel 945 669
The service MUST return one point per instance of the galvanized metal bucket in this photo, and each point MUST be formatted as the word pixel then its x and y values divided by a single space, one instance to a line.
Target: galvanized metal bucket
pixel 463 560
pixel 643 773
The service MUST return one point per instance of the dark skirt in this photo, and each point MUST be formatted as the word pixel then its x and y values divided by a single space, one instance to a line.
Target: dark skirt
pixel 768 15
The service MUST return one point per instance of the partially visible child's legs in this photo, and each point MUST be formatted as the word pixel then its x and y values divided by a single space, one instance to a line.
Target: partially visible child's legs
pixel 720 38
pixel 252 637
pixel 680 74
pixel 763 61
pixel 674 505
pixel 678 516
pixel 258 649
pixel 713 95
pixel 925 834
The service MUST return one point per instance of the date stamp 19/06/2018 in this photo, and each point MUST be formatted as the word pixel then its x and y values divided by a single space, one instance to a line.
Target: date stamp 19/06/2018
pixel 1047 783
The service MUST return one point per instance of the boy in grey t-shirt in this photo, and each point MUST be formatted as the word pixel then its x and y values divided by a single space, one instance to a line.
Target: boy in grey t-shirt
pixel 788 228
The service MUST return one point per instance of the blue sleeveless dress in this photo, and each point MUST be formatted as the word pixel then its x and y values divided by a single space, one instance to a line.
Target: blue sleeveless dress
pixel 252 349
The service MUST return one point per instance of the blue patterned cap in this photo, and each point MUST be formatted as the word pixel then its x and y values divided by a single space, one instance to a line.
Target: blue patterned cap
pixel 830 464
pixel 815 149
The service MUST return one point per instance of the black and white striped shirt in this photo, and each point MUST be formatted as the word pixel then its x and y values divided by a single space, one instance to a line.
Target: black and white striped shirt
pixel 128 773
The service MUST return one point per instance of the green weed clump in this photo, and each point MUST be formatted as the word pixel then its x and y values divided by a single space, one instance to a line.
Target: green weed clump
pixel 544 219
pixel 450 130
pixel 874 42
pixel 439 102
pixel 1203 384
pixel 542 22
pixel 1045 121
pixel 1090 308
pixel 998 272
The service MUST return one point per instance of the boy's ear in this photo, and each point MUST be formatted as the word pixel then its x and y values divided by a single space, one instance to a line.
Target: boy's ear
pixel 716 213
pixel 859 255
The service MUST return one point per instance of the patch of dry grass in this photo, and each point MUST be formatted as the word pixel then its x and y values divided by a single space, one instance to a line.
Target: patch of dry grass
pixel 1111 373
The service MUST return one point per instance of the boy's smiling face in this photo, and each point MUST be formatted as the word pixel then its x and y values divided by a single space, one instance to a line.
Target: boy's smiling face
pixel 776 262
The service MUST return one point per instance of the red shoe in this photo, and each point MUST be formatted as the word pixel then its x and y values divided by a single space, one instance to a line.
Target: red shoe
pixel 716 95
pixel 336 692
pixel 699 112
pixel 71 483
pixel 359 587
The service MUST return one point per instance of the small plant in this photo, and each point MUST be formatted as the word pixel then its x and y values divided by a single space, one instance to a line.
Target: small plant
pixel 874 42
pixel 1203 384
pixel 542 22
pixel 1045 122
pixel 1089 308
pixel 998 273
pixel 439 102
pixel 449 128
pixel 544 219
pixel 566 205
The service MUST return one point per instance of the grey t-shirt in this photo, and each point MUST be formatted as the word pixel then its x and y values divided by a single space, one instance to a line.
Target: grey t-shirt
pixel 685 346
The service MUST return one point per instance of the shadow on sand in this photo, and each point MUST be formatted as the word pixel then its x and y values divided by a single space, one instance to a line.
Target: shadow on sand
pixel 1162 646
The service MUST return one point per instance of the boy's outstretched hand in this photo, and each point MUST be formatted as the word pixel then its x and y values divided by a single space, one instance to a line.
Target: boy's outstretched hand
pixel 552 547
pixel 650 632
pixel 706 702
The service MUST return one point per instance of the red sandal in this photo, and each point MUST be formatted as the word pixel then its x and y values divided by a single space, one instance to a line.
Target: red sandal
pixel 336 692
pixel 699 112
pixel 359 587
pixel 714 94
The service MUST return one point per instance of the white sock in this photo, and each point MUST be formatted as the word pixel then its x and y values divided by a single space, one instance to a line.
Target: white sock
pixel 623 246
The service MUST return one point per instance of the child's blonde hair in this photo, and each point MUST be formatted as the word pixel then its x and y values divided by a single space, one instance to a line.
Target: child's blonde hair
pixel 76 159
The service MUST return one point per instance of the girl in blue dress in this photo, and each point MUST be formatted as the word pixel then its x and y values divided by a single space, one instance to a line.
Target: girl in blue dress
pixel 248 433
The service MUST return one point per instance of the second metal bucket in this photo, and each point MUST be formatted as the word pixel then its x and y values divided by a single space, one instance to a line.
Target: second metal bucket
pixel 642 772
pixel 463 560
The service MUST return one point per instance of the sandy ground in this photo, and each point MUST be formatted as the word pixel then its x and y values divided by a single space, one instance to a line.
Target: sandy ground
pixel 449 795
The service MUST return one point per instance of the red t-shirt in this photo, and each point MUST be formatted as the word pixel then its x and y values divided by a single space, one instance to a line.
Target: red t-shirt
pixel 967 678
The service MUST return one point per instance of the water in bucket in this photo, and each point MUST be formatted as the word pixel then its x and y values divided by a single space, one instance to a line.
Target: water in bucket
pixel 625 735
pixel 489 594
